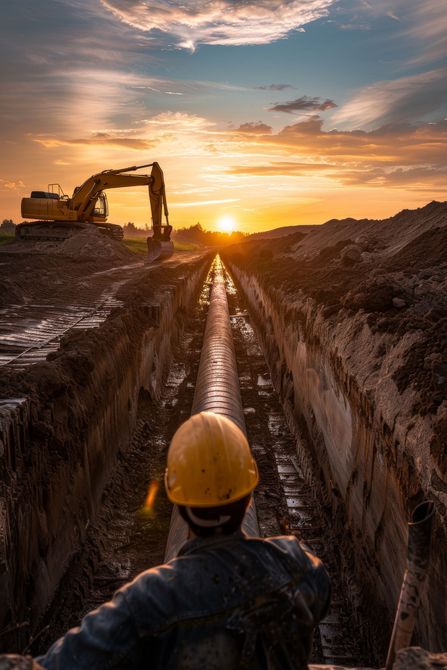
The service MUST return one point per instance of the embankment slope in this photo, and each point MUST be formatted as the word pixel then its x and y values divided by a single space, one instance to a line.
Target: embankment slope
pixel 353 317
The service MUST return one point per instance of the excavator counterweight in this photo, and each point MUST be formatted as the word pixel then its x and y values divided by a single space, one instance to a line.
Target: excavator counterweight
pixel 60 216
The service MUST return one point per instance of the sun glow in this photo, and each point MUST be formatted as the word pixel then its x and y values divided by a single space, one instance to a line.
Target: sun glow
pixel 226 224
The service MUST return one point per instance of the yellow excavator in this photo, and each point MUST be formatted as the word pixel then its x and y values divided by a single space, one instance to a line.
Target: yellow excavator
pixel 61 216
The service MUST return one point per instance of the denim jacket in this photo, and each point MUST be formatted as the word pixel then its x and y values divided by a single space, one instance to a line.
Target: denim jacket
pixel 224 603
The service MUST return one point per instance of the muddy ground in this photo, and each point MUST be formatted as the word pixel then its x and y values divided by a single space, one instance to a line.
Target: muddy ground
pixel 389 275
pixel 128 537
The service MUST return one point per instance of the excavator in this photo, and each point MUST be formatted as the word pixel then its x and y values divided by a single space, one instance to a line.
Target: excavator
pixel 61 216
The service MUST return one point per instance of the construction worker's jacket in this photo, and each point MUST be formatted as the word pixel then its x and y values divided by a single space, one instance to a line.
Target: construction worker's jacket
pixel 224 603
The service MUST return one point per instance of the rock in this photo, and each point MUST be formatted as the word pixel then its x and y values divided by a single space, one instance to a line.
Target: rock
pixel 16 662
pixel 415 658
pixel 352 253
pixel 412 658
pixel 399 303
pixel 420 290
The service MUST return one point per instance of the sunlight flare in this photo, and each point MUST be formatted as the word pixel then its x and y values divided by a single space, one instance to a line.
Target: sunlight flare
pixel 226 224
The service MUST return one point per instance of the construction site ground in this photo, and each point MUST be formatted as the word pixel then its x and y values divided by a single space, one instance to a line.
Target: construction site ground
pixel 65 310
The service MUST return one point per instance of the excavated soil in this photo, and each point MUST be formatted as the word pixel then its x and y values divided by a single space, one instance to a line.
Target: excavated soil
pixel 353 320
pixel 366 298
pixel 399 292
pixel 127 537
pixel 64 419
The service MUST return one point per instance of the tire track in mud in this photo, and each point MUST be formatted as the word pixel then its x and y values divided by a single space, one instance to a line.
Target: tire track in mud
pixel 29 332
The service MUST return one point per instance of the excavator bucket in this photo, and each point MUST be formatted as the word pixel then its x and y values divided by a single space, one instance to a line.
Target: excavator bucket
pixel 157 249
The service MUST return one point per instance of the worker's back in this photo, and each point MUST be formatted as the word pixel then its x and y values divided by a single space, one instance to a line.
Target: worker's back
pixel 225 603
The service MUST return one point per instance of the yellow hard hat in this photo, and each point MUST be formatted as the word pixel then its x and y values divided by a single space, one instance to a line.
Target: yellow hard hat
pixel 209 463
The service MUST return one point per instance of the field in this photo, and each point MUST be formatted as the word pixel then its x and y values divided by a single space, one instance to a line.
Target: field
pixel 138 245
pixel 5 239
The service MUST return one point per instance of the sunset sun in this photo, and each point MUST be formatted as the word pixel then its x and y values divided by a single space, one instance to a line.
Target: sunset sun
pixel 226 224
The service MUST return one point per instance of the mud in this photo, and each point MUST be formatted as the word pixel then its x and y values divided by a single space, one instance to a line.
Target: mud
pixel 358 360
pixel 346 413
pixel 126 537
pixel 60 442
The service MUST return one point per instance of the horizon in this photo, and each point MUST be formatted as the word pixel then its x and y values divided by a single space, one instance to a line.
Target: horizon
pixel 260 117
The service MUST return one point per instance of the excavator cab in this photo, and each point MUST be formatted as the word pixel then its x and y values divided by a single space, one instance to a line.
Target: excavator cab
pixel 102 207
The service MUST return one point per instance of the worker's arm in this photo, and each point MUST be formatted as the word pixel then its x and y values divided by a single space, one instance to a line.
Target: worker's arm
pixel 317 585
pixel 314 584
pixel 107 638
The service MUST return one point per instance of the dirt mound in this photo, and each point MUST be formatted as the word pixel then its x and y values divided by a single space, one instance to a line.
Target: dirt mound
pixel 392 273
pixel 427 250
pixel 10 293
pixel 94 244
pixel 88 244
pixel 386 236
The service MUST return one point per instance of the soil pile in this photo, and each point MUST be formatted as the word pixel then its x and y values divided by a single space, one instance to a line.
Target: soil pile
pixel 393 273
pixel 91 243
pixel 87 244
pixel 353 317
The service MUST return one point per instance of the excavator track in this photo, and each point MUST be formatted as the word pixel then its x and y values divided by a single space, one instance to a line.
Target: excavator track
pixel 58 231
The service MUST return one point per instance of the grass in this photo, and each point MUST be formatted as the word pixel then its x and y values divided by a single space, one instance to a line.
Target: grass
pixel 6 239
pixel 138 245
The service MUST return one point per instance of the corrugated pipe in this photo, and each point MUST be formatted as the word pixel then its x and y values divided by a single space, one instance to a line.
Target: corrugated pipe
pixel 418 556
pixel 217 390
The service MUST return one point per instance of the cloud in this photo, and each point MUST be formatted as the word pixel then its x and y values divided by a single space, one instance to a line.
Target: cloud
pixel 102 140
pixel 422 24
pixel 274 87
pixel 280 168
pixel 256 127
pixel 11 185
pixel 420 178
pixel 429 26
pixel 171 130
pixel 396 156
pixel 303 104
pixel 227 22
pixel 406 99
pixel 202 203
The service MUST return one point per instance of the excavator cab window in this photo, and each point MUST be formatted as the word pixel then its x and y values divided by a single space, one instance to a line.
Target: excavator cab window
pixel 101 207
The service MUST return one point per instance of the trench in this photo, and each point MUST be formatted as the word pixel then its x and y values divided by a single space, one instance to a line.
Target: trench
pixel 129 530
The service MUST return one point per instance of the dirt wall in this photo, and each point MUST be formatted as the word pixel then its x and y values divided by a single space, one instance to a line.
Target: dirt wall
pixel 61 427
pixel 373 453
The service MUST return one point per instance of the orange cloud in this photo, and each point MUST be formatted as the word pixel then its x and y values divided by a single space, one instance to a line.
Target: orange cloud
pixel 11 185
pixel 219 21
pixel 393 156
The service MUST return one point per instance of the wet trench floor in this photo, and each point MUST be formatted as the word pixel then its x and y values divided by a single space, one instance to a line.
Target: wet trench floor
pixel 128 538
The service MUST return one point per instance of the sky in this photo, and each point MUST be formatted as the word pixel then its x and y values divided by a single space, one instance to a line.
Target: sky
pixel 266 113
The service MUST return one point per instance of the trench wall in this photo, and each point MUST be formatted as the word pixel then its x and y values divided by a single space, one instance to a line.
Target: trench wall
pixel 59 443
pixel 374 464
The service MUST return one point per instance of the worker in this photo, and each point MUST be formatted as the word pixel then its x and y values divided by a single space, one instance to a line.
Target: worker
pixel 227 600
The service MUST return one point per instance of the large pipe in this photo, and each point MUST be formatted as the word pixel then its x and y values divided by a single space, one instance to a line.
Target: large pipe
pixel 418 555
pixel 217 390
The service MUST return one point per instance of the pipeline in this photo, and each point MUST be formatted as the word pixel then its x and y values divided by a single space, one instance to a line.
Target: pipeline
pixel 418 556
pixel 217 390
